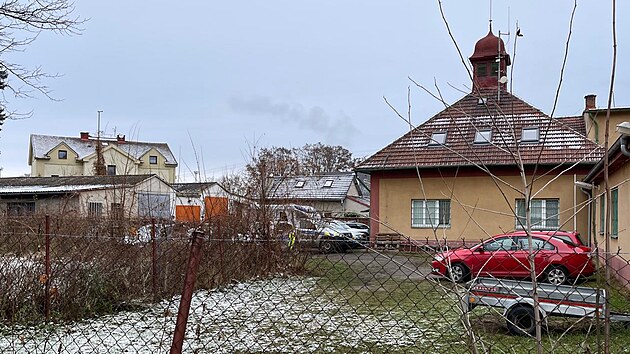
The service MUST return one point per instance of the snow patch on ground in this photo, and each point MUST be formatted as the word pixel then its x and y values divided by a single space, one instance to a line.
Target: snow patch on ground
pixel 278 315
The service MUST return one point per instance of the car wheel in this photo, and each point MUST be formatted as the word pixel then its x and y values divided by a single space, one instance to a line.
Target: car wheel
pixel 326 247
pixel 521 320
pixel 556 275
pixel 458 272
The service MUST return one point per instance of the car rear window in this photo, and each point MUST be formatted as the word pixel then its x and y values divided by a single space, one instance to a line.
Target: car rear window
pixel 538 244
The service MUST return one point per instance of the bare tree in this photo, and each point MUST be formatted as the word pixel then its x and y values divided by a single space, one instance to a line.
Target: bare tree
pixel 21 22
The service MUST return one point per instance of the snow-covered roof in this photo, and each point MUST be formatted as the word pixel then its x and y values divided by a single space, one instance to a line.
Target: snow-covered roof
pixel 330 187
pixel 41 145
pixel 66 184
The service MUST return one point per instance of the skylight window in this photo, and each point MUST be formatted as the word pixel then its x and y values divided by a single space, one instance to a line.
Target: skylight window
pixel 328 183
pixel 483 136
pixel 438 138
pixel 299 184
pixel 530 135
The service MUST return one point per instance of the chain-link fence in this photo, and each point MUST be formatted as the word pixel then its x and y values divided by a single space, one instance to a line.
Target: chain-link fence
pixel 71 285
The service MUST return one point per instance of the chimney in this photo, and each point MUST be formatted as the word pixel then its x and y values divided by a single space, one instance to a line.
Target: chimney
pixel 120 139
pixel 85 136
pixel 590 102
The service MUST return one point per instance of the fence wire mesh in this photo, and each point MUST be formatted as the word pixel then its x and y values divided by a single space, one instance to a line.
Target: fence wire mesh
pixel 71 285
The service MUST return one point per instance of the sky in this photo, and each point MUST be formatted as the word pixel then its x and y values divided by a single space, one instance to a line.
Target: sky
pixel 217 80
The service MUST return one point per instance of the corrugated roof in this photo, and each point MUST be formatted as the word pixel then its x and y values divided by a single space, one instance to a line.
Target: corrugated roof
pixel 329 187
pixel 559 142
pixel 42 144
pixel 65 184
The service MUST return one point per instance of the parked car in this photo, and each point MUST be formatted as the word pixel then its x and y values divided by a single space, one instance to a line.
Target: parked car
pixel 142 234
pixel 321 235
pixel 506 256
pixel 358 239
pixel 572 236
pixel 358 226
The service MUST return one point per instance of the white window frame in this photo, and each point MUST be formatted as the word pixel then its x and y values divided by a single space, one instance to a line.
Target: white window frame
pixel 526 136
pixel 423 208
pixel 547 222
pixel 300 184
pixel 438 138
pixel 483 136
pixel 328 183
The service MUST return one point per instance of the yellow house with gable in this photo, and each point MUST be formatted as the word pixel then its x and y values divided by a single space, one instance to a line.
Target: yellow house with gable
pixel 77 156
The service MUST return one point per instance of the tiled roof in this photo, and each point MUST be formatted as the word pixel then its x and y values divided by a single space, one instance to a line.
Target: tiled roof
pixel 66 184
pixel 560 141
pixel 575 123
pixel 328 187
pixel 42 144
pixel 192 189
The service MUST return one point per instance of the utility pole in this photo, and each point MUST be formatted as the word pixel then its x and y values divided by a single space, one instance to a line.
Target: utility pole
pixel 99 164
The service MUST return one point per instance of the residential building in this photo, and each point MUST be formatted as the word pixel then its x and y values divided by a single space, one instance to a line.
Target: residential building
pixel 457 176
pixel 76 156
pixel 334 194
pixel 619 226
pixel 144 196
pixel 199 201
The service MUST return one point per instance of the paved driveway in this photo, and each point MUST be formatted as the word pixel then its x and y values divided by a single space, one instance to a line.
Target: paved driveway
pixel 381 265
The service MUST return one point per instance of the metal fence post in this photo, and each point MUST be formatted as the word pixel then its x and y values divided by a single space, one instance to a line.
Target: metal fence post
pixel 153 260
pixel 47 269
pixel 189 286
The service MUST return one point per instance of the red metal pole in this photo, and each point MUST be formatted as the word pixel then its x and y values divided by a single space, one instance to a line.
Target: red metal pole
pixel 189 286
pixel 153 260
pixel 47 266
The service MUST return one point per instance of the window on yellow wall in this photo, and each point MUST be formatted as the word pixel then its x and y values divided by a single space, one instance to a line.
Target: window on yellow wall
pixel 153 160
pixel 545 214
pixel 431 213
pixel 62 154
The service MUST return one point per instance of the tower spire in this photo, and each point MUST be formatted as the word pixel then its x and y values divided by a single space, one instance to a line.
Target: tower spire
pixel 490 16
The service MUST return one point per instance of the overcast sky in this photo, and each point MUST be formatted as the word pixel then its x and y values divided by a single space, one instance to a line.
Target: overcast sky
pixel 220 77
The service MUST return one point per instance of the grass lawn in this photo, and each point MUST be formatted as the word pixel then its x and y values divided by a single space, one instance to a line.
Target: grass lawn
pixel 430 308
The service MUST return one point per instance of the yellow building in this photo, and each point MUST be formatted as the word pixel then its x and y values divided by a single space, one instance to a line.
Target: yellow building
pixel 76 156
pixel 618 177
pixel 458 175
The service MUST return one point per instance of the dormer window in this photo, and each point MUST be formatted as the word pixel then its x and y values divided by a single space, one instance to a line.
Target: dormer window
pixel 62 154
pixel 481 70
pixel 299 184
pixel 438 138
pixel 530 135
pixel 328 183
pixel 483 136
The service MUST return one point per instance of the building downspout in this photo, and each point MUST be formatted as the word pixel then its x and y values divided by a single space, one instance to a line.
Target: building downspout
pixel 574 203
pixel 624 145
pixel 592 118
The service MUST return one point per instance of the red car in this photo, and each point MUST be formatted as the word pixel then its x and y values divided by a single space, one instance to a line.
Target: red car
pixel 505 256
pixel 572 236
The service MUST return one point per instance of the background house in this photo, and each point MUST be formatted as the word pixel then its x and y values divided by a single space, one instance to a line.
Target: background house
pixel 457 176
pixel 76 156
pixel 200 201
pixel 334 194
pixel 145 196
